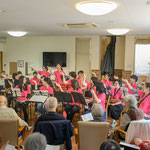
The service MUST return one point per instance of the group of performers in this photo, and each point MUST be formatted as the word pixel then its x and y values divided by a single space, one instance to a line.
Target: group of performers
pixel 78 83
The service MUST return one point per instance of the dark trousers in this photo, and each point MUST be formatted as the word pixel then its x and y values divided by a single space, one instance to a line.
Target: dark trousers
pixel 115 111
pixel 23 106
pixel 71 110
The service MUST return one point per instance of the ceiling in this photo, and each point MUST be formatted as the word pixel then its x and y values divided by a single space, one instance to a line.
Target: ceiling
pixel 43 17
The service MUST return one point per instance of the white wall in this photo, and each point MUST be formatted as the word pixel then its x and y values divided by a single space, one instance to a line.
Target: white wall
pixel 30 48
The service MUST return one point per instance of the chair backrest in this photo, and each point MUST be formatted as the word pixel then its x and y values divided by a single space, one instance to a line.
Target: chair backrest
pixel 9 131
pixel 138 129
pixel 92 134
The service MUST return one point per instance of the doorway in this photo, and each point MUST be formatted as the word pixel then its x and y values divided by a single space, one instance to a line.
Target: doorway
pixel 12 67
pixel 83 56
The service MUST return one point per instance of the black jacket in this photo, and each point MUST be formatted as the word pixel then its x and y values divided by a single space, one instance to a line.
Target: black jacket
pixel 56 132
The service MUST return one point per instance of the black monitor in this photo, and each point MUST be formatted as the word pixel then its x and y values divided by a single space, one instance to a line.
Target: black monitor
pixel 54 58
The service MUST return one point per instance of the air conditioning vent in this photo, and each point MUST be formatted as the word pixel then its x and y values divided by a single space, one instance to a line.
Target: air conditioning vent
pixel 80 25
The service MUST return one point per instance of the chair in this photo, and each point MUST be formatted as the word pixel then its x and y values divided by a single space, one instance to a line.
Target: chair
pixel 92 134
pixel 9 131
pixel 116 135
pixel 138 128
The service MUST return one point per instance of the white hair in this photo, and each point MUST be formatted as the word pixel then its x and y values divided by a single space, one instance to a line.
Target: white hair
pixel 35 141
pixel 97 110
pixel 130 101
pixel 51 103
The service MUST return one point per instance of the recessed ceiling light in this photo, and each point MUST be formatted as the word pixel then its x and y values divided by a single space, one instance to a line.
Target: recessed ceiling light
pixel 17 33
pixel 118 31
pixel 95 7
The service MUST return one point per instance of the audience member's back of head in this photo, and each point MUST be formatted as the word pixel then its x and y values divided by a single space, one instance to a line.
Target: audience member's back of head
pixel 35 141
pixel 110 145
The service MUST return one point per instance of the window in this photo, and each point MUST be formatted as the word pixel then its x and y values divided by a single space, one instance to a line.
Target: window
pixel 142 59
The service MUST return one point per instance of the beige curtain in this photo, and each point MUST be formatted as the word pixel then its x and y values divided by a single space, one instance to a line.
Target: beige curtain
pixel 142 40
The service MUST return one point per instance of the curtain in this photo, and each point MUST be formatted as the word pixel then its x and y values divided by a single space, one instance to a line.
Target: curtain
pixel 109 58
pixel 142 41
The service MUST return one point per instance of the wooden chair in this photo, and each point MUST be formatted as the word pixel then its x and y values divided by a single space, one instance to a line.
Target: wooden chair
pixel 92 134
pixel 116 135
pixel 10 130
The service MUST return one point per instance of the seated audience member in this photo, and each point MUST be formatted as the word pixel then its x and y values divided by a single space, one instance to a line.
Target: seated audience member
pixel 141 144
pixel 107 81
pixel 82 80
pixel 131 113
pixel 47 86
pixel 115 109
pixel 35 79
pixel 99 96
pixel 25 94
pixel 51 105
pixel 59 74
pixel 6 112
pixel 144 98
pixel 44 71
pixel 72 108
pixel 97 112
pixel 35 141
pixel 133 80
pixel 110 145
pixel 19 73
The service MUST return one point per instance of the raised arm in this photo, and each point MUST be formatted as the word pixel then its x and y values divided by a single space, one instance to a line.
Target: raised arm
pixel 96 100
pixel 131 88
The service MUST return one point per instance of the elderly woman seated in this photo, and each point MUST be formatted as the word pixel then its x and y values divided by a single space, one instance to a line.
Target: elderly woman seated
pixel 132 112
pixel 97 112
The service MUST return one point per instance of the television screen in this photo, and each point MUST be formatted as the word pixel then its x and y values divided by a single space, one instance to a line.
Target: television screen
pixel 53 58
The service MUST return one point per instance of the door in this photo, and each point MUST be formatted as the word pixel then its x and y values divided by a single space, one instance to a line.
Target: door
pixel 83 61
pixel 12 67
pixel 1 61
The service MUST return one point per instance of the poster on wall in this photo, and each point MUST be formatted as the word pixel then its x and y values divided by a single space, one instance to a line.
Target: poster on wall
pixel 20 63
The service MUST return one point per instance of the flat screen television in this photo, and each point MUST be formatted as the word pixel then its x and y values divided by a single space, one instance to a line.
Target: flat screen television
pixel 53 58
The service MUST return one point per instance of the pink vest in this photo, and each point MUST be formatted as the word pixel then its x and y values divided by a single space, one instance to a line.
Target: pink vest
pixel 134 86
pixel 34 79
pixel 24 93
pixel 58 76
pixel 49 89
pixel 107 83
pixel 116 94
pixel 145 104
pixel 102 97
pixel 46 74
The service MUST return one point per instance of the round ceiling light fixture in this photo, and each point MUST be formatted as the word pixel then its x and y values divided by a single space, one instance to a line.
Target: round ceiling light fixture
pixel 118 31
pixel 17 33
pixel 95 7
